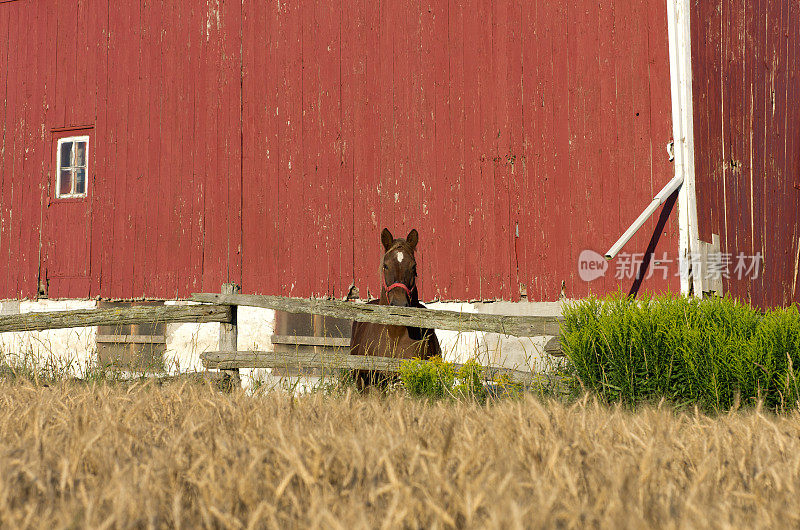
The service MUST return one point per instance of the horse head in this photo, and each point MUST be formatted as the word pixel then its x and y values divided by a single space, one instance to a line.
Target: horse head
pixel 399 269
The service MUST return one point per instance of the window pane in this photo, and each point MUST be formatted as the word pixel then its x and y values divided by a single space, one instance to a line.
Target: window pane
pixel 65 184
pixel 80 181
pixel 66 154
pixel 80 154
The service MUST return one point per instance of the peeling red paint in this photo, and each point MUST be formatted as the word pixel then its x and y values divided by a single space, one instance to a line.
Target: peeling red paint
pixel 747 139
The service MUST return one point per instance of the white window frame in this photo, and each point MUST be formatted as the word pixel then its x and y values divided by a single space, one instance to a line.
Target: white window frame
pixel 72 194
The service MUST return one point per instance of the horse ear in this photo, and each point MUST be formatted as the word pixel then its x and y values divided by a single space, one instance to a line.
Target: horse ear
pixel 413 238
pixel 387 239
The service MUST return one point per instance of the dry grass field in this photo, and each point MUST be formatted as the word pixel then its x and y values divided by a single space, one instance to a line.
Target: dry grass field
pixel 186 456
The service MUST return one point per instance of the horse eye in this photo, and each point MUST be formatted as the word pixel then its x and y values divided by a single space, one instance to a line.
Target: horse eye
pixel 385 267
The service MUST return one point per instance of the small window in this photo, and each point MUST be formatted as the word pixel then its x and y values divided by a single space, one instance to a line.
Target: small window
pixel 72 166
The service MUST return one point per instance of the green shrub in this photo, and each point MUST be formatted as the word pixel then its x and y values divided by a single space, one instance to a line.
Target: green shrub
pixel 439 379
pixel 469 381
pixel 433 378
pixel 715 352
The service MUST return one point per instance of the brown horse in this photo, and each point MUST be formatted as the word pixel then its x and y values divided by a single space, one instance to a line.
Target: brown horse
pixel 398 273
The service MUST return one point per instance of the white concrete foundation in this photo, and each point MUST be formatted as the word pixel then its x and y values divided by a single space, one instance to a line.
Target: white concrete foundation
pixel 68 350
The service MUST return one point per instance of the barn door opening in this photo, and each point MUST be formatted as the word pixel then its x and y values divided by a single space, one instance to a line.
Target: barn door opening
pixel 64 271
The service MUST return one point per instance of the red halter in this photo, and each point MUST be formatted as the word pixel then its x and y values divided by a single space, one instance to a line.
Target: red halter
pixel 397 284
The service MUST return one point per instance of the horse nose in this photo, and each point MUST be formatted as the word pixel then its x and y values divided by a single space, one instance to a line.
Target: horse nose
pixel 398 301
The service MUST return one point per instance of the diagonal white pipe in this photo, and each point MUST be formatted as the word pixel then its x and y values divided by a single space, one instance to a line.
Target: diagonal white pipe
pixel 657 201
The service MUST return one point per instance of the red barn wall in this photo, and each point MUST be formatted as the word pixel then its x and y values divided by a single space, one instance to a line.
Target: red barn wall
pixel 160 89
pixel 269 143
pixel 747 140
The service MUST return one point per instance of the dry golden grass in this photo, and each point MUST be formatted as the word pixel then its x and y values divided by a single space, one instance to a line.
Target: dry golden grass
pixel 187 456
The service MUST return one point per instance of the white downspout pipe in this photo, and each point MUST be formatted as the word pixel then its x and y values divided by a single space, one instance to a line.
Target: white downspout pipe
pixel 658 200
pixel 680 73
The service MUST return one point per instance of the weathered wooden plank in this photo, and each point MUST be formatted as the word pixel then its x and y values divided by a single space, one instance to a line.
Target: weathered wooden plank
pixel 291 175
pixel 338 361
pixel 552 347
pixel 5 155
pixel 264 359
pixel 229 333
pixel 335 342
pixel 519 326
pixel 114 317
pixel 472 254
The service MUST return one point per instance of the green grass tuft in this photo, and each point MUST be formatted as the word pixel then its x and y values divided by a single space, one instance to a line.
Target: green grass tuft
pixel 716 353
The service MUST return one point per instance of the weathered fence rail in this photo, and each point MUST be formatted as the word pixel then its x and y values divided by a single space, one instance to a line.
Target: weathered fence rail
pixel 119 316
pixel 519 326
pixel 338 361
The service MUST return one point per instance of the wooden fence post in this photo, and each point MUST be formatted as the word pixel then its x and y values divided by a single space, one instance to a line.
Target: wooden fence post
pixel 229 334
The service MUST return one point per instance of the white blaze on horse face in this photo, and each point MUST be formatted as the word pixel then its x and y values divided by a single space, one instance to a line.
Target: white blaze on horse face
pixel 399 257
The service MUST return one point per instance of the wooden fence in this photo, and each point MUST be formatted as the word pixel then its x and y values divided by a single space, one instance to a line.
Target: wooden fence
pixel 121 316
pixel 223 308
